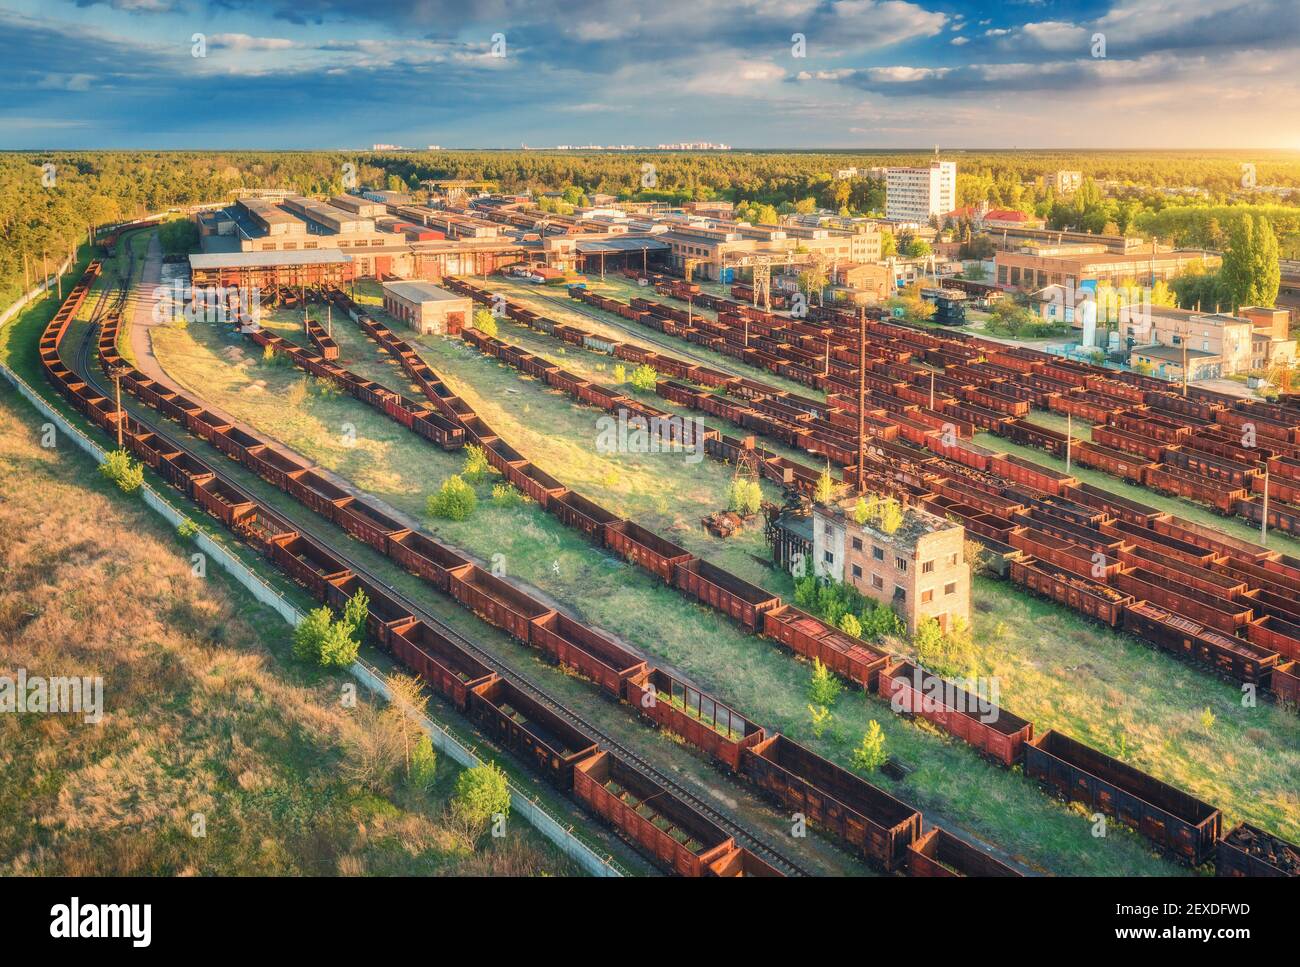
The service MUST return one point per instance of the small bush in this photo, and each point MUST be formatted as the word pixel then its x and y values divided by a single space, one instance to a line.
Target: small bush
pixel 338 649
pixel 823 688
pixel 424 765
pixel 644 378
pixel 620 374
pixel 355 613
pixel 851 626
pixel 310 633
pixel 322 640
pixel 870 754
pixel 744 497
pixel 123 471
pixel 821 719
pixel 485 322
pixel 481 793
pixel 455 501
pixel 504 495
pixel 186 529
pixel 476 464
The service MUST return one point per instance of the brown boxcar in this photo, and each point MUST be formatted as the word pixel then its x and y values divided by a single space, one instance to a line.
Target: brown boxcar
pixel 725 592
pixel 528 728
pixel 1169 817
pixel 274 467
pixel 496 601
pixel 183 471
pixel 309 564
pixel 848 657
pixel 600 658
pixel 997 733
pixel 317 493
pixel 536 483
pixel 852 810
pixel 741 862
pixel 645 549
pixel 1284 683
pixel 368 524
pixel 1087 597
pixel 1250 851
pixel 678 837
pixel 939 853
pixel 578 512
pixel 1219 613
pixel 223 502
pixel 425 558
pixel 698 718
pixel 1235 657
pixel 384 616
pixel 447 667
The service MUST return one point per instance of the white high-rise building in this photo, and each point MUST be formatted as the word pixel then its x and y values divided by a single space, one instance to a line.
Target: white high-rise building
pixel 917 194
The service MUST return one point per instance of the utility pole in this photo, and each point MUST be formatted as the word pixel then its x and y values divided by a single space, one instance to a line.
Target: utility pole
pixel 1069 438
pixel 329 318
pixel 826 369
pixel 932 391
pixel 1184 365
pixel 1263 522
pixel 862 400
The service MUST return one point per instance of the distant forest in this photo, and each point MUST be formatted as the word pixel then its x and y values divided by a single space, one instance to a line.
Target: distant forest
pixel 49 209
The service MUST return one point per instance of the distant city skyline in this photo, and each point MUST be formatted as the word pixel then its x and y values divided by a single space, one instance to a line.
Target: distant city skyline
pixel 838 74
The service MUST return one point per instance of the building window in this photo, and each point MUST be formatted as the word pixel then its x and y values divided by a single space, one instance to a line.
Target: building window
pixel 857 571
pixel 877 553
pixel 857 543
pixel 900 594
pixel 950 587
pixel 927 567
pixel 829 557
pixel 927 596
pixel 877 582
pixel 900 563
pixel 952 559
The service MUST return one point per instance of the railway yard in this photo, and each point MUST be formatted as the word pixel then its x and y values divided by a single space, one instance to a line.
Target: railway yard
pixel 649 679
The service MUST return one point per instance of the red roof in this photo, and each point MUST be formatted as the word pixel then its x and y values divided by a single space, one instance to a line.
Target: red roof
pixel 992 215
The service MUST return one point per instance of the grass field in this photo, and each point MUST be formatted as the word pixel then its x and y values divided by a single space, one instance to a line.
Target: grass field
pixel 205 712
pixel 1043 679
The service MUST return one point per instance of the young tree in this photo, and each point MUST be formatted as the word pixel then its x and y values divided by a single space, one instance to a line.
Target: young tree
pixel 338 649
pixel 123 471
pixel 821 719
pixel 870 754
pixel 644 378
pixel 823 688
pixel 355 613
pixel 485 322
pixel 482 793
pixel 850 625
pixel 476 463
pixel 825 491
pixel 310 632
pixel 1250 274
pixel 455 501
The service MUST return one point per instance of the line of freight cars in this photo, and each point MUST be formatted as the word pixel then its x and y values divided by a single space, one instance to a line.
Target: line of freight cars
pixel 666 828
pixel 1192 443
pixel 993 495
pixel 790 773
pixel 1187 827
pixel 879 826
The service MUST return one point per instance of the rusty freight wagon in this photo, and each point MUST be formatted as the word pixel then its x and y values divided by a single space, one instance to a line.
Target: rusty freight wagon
pixel 576 511
pixel 585 650
pixel 451 670
pixel 1169 817
pixel 698 718
pixel 975 720
pixel 1250 851
pixel 276 468
pixel 425 558
pixel 530 729
pixel 850 658
pixel 308 563
pixel 1221 614
pixel 646 549
pixel 224 502
pixel 1095 600
pixel 723 591
pixel 317 493
pixel 1232 656
pixel 680 839
pixel 741 862
pixel 384 616
pixel 939 853
pixel 496 601
pixel 852 810
pixel 368 524
pixel 1285 683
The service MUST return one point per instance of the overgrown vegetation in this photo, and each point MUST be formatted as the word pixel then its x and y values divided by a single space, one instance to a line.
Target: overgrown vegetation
pixel 127 473
pixel 644 378
pixel 455 500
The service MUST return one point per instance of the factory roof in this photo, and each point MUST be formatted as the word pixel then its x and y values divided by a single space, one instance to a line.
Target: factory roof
pixel 420 292
pixel 225 260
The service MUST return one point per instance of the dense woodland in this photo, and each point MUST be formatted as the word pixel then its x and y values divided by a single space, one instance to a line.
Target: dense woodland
pixel 43 213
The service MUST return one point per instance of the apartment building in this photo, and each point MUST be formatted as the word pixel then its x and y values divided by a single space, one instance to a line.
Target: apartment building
pixel 1064 182
pixel 921 193
pixel 919 570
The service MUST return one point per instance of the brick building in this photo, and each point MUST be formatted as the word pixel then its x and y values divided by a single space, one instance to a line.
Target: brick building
pixel 920 570
pixel 426 308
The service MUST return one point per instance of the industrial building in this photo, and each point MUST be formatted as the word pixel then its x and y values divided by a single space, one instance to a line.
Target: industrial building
pixel 267 270
pixel 426 308
pixel 920 569
pixel 1078 265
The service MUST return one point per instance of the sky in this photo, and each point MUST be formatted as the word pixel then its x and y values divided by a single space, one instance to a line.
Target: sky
pixel 275 74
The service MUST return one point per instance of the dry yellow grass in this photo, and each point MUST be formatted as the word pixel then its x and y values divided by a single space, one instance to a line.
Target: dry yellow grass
pixel 204 711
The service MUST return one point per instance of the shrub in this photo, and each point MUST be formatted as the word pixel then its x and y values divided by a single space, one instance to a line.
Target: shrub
pixel 645 378
pixel 320 639
pixel 620 373
pixel 424 764
pixel 485 322
pixel 952 655
pixel 455 501
pixel 186 529
pixel 481 793
pixel 823 688
pixel 1207 719
pixel 309 634
pixel 123 471
pixel 504 495
pixel 870 753
pixel 338 649
pixel 821 719
pixel 851 626
pixel 355 613
pixel 476 463
pixel 744 497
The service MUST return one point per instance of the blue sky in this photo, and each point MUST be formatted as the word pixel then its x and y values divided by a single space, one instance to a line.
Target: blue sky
pixel 876 73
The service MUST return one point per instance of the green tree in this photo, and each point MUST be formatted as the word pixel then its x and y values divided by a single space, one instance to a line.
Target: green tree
pixel 338 649
pixel 476 463
pixel 118 467
pixel 424 764
pixel 455 501
pixel 485 322
pixel 825 491
pixel 823 687
pixel 888 244
pixel 1250 274
pixel 482 793
pixel 645 378
pixel 870 754
pixel 310 632
pixel 355 613
pixel 850 625
pixel 821 719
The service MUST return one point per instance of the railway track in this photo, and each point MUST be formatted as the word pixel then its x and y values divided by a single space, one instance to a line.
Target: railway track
pixel 82 365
